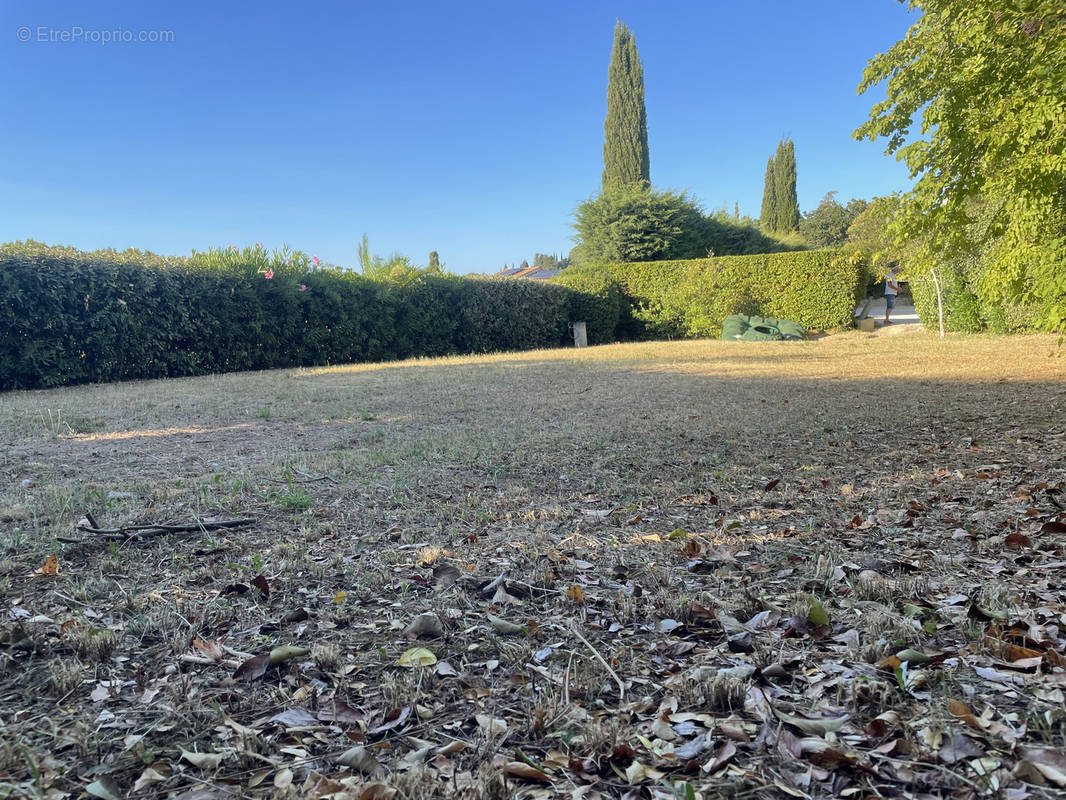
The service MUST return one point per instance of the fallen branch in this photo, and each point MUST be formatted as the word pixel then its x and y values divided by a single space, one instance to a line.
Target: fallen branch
pixel 129 532
pixel 618 681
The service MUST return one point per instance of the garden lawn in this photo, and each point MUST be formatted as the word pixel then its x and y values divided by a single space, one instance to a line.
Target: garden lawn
pixel 818 569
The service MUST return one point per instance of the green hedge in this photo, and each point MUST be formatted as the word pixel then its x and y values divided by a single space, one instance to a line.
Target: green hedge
pixel 72 317
pixel 816 288
pixel 598 301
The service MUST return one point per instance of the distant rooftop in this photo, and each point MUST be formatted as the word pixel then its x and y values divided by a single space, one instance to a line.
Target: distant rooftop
pixel 528 272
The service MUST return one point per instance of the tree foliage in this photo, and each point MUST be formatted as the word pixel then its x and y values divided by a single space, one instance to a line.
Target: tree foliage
pixel 786 201
pixel 625 130
pixel 827 225
pixel 985 78
pixel 768 213
pixel 632 223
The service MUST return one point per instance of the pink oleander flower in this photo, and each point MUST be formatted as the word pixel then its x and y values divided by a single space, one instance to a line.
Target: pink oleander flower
pixel 233 247
pixel 315 259
pixel 269 274
pixel 303 288
pixel 258 246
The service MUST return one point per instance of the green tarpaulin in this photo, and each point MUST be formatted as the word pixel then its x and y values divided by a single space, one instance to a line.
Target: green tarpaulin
pixel 744 328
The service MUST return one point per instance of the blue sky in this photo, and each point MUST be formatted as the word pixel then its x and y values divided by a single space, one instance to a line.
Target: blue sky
pixel 470 128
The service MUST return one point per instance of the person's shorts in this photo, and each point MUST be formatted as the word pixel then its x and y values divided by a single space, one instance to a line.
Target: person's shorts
pixel 890 301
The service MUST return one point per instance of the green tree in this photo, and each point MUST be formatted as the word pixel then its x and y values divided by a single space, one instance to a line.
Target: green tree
pixel 625 130
pixel 986 79
pixel 768 214
pixel 786 202
pixel 827 225
pixel 636 224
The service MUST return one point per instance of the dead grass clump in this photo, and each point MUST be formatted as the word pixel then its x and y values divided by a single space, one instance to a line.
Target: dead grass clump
pixel 64 676
pixel 94 644
pixel 327 656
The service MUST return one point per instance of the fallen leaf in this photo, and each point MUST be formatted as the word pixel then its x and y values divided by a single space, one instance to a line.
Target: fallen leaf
pixel 205 761
pixel 490 724
pixel 1051 764
pixel 338 711
pixel 1017 541
pixel 416 657
pixel 576 594
pixel 105 788
pixel 959 747
pixel 157 773
pixel 393 719
pixel 283 780
pixel 818 727
pixel 252 669
pixel 427 624
pixel 519 769
pixel 50 566
pixel 286 652
pixel 260 583
pixel 378 791
pixel 444 575
pixel 295 718
pixel 817 615
pixel 771 484
pixel 359 759
pixel 503 626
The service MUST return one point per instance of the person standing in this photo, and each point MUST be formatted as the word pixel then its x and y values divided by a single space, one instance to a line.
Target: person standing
pixel 891 290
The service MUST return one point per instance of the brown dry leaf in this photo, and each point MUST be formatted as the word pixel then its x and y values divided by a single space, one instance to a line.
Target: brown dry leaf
pixel 378 791
pixel 359 759
pixel 253 669
pixel 881 724
pixel 426 624
pixel 1017 541
pixel 445 575
pixel 393 719
pixel 210 648
pixel 205 761
pixel 958 748
pixel 576 593
pixel 50 566
pixel 338 711
pixel 722 756
pixel 1048 763
pixel 1053 527
pixel 261 583
pixel 962 711
pixel 520 769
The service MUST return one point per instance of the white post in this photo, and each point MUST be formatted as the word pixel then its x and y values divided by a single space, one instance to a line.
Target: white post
pixel 939 302
pixel 580 337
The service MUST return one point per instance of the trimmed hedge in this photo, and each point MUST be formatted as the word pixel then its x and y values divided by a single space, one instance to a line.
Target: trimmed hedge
pixel 72 317
pixel 817 288
pixel 598 301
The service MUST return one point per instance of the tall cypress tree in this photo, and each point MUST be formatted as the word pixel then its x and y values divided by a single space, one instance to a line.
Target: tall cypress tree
pixel 768 214
pixel 625 131
pixel 786 200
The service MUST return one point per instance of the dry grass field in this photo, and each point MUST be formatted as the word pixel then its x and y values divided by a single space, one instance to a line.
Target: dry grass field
pixel 833 568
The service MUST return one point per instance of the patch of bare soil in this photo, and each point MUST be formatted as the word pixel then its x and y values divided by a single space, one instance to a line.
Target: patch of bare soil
pixel 656 570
